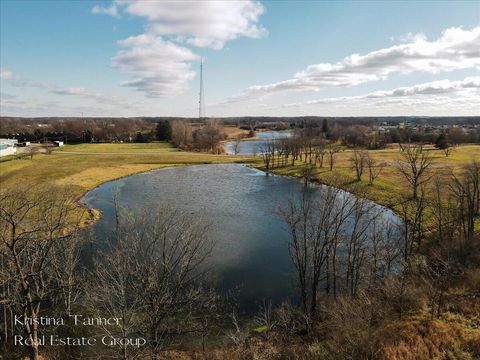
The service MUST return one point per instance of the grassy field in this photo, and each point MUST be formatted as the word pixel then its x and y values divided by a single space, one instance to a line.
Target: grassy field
pixel 84 167
pixel 390 186
pixel 154 147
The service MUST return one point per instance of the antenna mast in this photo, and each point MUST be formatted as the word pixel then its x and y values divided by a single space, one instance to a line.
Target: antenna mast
pixel 201 110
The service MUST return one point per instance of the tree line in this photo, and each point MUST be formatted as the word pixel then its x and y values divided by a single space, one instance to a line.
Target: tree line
pixel 353 132
pixel 356 271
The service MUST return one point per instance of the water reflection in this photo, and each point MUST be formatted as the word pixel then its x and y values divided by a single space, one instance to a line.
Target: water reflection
pixel 252 147
pixel 251 250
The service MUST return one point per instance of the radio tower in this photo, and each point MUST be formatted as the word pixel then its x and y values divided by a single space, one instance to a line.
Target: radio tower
pixel 201 109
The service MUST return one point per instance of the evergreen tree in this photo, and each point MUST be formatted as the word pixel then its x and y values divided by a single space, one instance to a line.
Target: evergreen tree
pixel 163 131
pixel 325 126
pixel 442 142
pixel 139 138
pixel 87 136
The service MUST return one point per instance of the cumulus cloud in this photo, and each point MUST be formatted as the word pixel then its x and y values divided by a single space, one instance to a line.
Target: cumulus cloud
pixel 111 10
pixel 455 49
pixel 160 60
pixel 6 74
pixel 431 88
pixel 199 23
pixel 159 67
pixel 435 92
pixel 202 23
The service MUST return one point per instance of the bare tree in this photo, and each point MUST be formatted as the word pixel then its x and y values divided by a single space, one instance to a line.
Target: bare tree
pixel 439 271
pixel 357 245
pixel 412 213
pixel 48 149
pixel 209 136
pixel 33 222
pixel 414 167
pixel 319 153
pixel 181 134
pixel 111 292
pixel 315 225
pixel 332 149
pixel 443 210
pixel 268 150
pixel 236 145
pixel 358 160
pixel 374 167
pixel 151 279
pixel 66 271
pixel 307 173
pixel 32 150
pixel 466 189
pixel 238 336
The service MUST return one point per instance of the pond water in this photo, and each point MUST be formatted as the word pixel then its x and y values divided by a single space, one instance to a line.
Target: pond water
pixel 249 147
pixel 251 253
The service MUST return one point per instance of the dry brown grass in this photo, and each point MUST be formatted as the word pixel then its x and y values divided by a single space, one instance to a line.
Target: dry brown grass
pixel 429 340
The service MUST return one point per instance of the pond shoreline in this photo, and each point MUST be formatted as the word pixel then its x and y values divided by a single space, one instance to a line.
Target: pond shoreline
pixel 320 182
pixel 95 215
pixel 244 221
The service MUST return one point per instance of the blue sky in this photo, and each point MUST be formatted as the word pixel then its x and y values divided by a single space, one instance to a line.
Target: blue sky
pixel 141 58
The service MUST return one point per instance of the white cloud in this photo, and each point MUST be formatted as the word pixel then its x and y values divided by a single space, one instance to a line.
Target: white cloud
pixel 71 91
pixel 203 23
pixel 6 74
pixel 111 10
pixel 9 100
pixel 455 49
pixel 90 95
pixel 200 23
pixel 159 67
pixel 410 37
pixel 436 92
pixel 159 59
pixel 38 108
pixel 431 88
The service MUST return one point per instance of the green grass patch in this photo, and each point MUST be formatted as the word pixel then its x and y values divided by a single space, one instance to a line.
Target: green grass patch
pixel 261 329
pixel 153 147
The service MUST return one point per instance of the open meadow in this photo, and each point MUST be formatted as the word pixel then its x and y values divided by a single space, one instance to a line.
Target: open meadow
pixel 86 166
pixel 390 187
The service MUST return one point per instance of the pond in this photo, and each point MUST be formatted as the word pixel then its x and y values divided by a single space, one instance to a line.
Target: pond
pixel 249 147
pixel 251 253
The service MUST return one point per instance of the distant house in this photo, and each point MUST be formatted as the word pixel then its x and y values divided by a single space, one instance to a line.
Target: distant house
pixel 8 146
pixel 23 144
pixel 58 143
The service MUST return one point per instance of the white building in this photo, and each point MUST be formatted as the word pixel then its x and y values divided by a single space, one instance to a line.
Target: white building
pixel 58 143
pixel 8 147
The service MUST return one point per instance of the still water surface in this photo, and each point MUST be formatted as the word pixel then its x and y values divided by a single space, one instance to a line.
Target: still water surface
pixel 249 147
pixel 251 253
